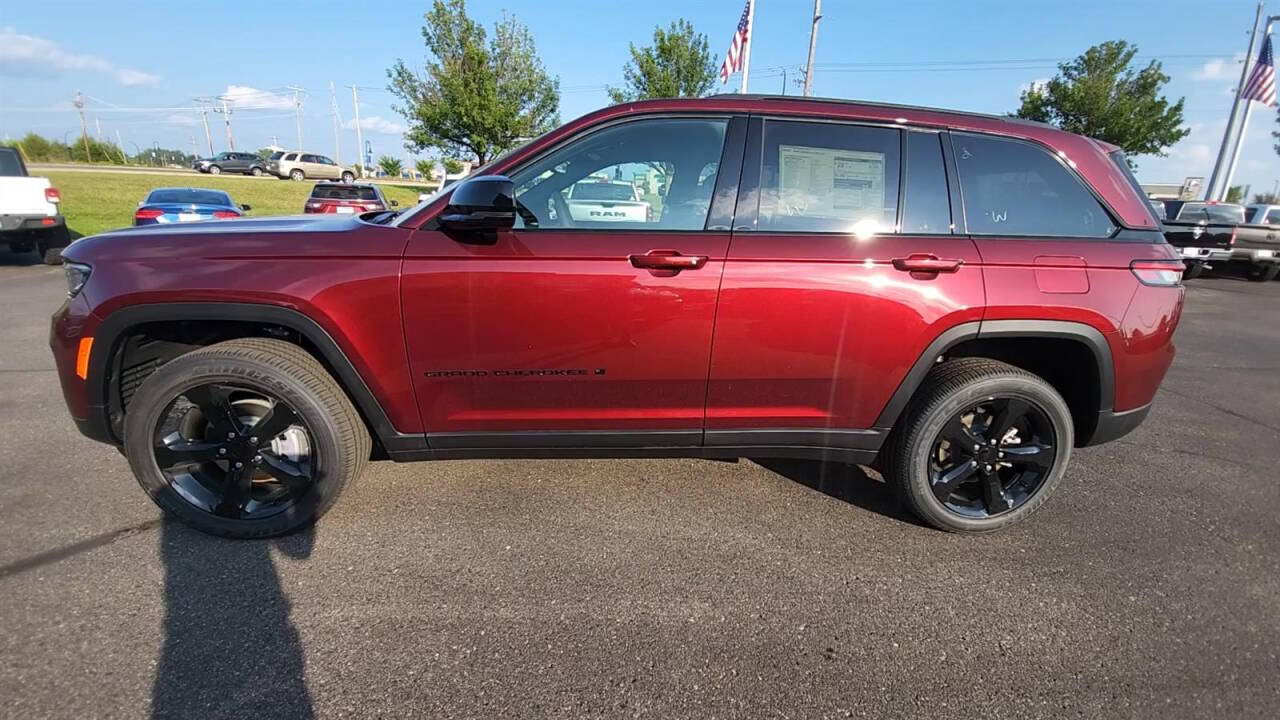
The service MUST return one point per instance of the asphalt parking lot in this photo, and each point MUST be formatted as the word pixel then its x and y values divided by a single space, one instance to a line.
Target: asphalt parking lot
pixel 1148 586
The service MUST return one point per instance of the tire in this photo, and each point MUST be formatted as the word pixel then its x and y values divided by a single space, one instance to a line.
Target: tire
pixel 939 404
pixel 49 255
pixel 337 442
pixel 1193 271
pixel 50 244
pixel 348 177
pixel 215 170
pixel 297 175
pixel 1264 272
pixel 255 171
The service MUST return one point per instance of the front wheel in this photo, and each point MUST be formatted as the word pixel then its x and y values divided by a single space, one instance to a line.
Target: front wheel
pixel 215 170
pixel 244 439
pixel 1264 272
pixel 256 171
pixel 980 447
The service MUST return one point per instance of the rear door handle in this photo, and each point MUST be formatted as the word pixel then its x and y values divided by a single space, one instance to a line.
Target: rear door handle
pixel 926 263
pixel 667 260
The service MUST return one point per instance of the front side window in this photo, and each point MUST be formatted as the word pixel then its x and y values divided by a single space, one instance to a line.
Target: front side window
pixel 829 177
pixel 647 174
pixel 291 157
pixel 1012 187
pixel 309 159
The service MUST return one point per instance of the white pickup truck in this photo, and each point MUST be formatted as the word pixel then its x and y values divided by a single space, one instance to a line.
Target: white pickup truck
pixel 29 217
pixel 593 201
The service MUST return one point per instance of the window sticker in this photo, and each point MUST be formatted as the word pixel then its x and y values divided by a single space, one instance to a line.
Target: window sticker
pixel 824 182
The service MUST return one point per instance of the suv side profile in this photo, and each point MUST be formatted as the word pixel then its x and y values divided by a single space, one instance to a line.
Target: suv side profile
pixel 302 166
pixel 957 299
pixel 232 162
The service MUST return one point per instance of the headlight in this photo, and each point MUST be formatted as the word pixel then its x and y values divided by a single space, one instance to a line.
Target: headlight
pixel 77 275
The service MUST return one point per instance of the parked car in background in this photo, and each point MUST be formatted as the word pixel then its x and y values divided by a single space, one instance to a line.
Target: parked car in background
pixel 328 197
pixel 179 205
pixel 1203 232
pixel 599 200
pixel 30 218
pixel 295 165
pixel 232 162
pixel 958 299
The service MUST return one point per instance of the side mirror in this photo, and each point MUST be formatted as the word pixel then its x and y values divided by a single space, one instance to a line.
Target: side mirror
pixel 245 208
pixel 395 203
pixel 486 202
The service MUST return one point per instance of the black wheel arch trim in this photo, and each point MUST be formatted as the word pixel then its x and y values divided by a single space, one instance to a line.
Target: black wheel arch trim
pixel 1090 336
pixel 115 326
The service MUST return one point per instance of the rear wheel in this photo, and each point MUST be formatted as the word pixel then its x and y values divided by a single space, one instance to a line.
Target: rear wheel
pixel 255 171
pixel 296 175
pixel 1193 271
pixel 981 446
pixel 244 439
pixel 1263 273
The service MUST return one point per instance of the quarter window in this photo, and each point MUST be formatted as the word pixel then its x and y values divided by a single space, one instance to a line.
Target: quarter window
pixel 1012 187
pixel 648 174
pixel 1273 217
pixel 829 177
pixel 926 204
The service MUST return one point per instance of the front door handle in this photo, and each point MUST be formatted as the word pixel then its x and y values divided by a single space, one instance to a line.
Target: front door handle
pixel 667 260
pixel 926 263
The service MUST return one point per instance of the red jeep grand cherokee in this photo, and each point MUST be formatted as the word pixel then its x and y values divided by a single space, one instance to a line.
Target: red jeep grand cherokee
pixel 957 299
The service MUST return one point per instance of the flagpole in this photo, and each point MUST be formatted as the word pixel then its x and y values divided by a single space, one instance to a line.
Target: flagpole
pixel 1244 125
pixel 751 40
pixel 1215 190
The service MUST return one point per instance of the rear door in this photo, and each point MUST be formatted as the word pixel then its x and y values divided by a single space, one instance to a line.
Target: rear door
pixel 844 267
pixel 568 332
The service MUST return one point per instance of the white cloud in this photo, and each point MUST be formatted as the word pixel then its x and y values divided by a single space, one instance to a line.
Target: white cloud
pixel 1194 153
pixel 1037 84
pixel 251 98
pixel 28 56
pixel 377 124
pixel 182 119
pixel 1219 68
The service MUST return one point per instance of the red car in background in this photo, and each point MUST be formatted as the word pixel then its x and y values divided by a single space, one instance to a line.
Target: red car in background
pixel 346 198
pixel 957 299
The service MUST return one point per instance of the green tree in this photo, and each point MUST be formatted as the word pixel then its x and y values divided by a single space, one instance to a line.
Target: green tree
pixel 452 166
pixel 678 64
pixel 390 165
pixel 263 153
pixel 1235 194
pixel 425 167
pixel 1266 199
pixel 477 96
pixel 1101 95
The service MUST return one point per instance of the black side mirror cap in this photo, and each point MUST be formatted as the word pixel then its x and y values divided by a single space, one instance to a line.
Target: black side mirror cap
pixel 485 202
pixel 245 208
pixel 395 203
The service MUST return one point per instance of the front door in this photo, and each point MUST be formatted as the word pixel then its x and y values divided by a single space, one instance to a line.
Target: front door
pixel 590 322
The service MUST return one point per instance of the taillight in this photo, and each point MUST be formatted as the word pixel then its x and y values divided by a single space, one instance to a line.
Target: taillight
pixel 224 214
pixel 1158 273
pixel 52 195
pixel 148 214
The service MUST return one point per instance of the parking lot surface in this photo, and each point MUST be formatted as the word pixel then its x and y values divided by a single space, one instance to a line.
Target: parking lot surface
pixel 1148 586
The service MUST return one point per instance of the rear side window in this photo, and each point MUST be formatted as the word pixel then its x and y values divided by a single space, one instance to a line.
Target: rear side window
pixel 1273 216
pixel 829 177
pixel 1011 187
pixel 344 192
pixel 927 206
pixel 10 164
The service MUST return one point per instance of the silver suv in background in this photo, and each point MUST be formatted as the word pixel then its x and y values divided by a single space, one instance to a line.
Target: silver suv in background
pixel 297 165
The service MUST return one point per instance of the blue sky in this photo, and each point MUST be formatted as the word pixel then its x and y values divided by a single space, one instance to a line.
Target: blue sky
pixel 162 55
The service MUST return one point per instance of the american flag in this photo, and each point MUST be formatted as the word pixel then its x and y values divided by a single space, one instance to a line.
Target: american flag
pixel 1262 81
pixel 737 49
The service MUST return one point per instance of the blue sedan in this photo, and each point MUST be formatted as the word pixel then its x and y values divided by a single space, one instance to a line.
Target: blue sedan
pixel 176 205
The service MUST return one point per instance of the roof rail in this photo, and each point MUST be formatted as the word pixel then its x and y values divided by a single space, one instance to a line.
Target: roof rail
pixel 873 103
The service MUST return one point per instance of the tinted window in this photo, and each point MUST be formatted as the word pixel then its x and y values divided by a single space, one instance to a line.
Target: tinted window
pixel 189 197
pixel 276 156
pixel 324 160
pixel 1016 188
pixel 10 164
pixel 603 191
pixel 828 177
pixel 344 192
pixel 927 206
pixel 662 159
pixel 1273 216
pixel 1212 212
pixel 291 157
pixel 310 159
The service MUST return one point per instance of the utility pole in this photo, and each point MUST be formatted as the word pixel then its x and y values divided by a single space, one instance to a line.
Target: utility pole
pixel 784 80
pixel 297 112
pixel 226 113
pixel 333 110
pixel 1248 107
pixel 813 45
pixel 84 129
pixel 204 115
pixel 1217 188
pixel 355 99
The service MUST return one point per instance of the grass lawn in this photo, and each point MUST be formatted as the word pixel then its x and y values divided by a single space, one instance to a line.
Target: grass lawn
pixel 96 201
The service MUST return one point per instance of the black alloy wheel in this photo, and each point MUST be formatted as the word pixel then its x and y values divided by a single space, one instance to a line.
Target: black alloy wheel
pixel 992 457
pixel 234 452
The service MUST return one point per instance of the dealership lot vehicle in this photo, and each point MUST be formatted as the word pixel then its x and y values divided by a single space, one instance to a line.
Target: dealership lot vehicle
pixel 306 166
pixel 1203 232
pixel 346 199
pixel 964 342
pixel 29 211
pixel 177 205
pixel 232 162
pixel 595 200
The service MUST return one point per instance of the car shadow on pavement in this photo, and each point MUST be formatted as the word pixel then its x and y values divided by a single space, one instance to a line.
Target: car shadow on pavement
pixel 848 483
pixel 230 649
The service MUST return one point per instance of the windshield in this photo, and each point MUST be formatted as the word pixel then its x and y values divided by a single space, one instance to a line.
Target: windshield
pixel 1217 212
pixel 602 191
pixel 344 192
pixel 10 165
pixel 189 197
